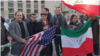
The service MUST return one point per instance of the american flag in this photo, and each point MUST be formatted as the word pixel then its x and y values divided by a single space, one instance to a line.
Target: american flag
pixel 38 42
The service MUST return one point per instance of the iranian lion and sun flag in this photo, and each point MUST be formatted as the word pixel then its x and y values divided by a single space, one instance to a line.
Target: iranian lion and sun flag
pixel 74 42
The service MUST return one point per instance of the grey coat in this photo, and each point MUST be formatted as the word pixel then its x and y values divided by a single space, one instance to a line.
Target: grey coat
pixel 75 26
pixel 59 20
pixel 62 21
pixel 15 33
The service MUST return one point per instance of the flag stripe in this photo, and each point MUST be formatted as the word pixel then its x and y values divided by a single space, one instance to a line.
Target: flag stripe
pixel 27 49
pixel 30 49
pixel 85 48
pixel 76 33
pixel 32 44
pixel 42 47
pixel 33 49
pixel 37 50
pixel 26 45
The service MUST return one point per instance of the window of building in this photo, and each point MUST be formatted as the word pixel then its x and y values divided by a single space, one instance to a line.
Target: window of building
pixel 11 15
pixel 28 10
pixel 35 6
pixel 28 5
pixel 1 0
pixel 10 0
pixel 35 11
pixel 20 9
pixel 2 4
pixel 42 6
pixel 28 16
pixel 19 0
pixel 10 4
pixel 20 5
pixel 27 1
pixel 11 10
pixel 75 11
pixel 42 2
pixel 42 10
pixel 72 11
pixel 35 2
pixel 2 10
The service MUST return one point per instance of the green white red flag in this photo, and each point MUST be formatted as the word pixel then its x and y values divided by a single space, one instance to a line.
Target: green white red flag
pixel 77 42
pixel 6 45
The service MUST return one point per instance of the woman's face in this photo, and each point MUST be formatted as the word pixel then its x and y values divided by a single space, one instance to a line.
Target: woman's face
pixel 74 20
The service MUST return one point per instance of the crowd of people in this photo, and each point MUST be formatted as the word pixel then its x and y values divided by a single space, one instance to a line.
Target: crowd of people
pixel 20 28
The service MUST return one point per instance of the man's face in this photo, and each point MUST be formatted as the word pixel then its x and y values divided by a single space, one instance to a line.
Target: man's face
pixel 45 11
pixel 19 16
pixel 44 17
pixel 33 18
pixel 85 17
pixel 58 11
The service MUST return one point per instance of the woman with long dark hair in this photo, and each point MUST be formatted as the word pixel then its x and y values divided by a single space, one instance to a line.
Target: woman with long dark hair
pixel 74 23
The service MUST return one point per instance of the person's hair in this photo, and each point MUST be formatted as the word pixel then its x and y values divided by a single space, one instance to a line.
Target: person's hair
pixel 46 9
pixel 31 15
pixel 58 7
pixel 81 16
pixel 2 20
pixel 86 16
pixel 17 12
pixel 72 17
pixel 22 15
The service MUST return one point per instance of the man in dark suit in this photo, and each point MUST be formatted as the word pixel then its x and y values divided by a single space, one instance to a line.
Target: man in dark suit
pixel 44 25
pixel 31 25
pixel 18 31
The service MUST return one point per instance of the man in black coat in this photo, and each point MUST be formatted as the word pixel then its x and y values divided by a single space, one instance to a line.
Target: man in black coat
pixel 41 26
pixel 4 38
pixel 46 10
pixel 31 25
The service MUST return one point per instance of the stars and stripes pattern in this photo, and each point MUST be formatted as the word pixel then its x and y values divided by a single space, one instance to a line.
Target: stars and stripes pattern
pixel 38 42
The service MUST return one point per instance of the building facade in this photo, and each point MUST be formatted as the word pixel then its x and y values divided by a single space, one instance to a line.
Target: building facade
pixel 9 7
pixel 67 12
